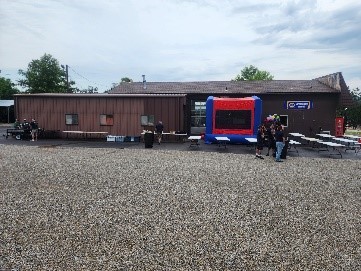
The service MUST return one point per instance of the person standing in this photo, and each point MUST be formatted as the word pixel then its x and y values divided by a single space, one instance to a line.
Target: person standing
pixel 17 124
pixel 159 130
pixel 260 139
pixel 34 130
pixel 280 142
pixel 27 130
pixel 25 125
pixel 270 131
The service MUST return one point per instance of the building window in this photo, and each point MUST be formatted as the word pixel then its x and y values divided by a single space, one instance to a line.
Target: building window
pixel 106 120
pixel 71 119
pixel 284 120
pixel 147 120
pixel 198 113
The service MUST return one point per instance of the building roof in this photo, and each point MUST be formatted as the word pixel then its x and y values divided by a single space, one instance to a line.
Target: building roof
pixel 332 83
pixel 319 85
pixel 99 95
pixel 337 81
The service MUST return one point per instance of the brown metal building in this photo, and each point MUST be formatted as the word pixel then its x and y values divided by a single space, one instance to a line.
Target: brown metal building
pixel 116 114
pixel 129 107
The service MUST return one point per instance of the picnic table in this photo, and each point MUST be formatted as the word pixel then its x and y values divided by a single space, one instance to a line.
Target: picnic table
pixel 172 137
pixel 176 137
pixel 354 137
pixel 349 144
pixel 251 140
pixel 294 144
pixel 325 145
pixel 311 140
pixel 335 146
pixel 84 133
pixel 296 134
pixel 327 137
pixel 222 140
pixel 194 141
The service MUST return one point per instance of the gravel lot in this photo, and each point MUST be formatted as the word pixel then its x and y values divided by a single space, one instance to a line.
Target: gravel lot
pixel 146 209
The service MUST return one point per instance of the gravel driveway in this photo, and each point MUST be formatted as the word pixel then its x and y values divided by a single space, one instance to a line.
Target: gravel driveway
pixel 145 209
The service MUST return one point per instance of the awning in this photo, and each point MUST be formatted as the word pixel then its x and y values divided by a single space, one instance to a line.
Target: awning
pixel 6 103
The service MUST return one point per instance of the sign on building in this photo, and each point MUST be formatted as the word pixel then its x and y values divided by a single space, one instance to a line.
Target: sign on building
pixel 298 105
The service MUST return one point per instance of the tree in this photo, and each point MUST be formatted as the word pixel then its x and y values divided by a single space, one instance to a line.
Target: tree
pixel 45 75
pixel 90 90
pixel 252 73
pixel 7 89
pixel 354 113
pixel 356 95
pixel 126 80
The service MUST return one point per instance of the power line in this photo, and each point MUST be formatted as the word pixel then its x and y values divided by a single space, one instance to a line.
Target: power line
pixel 90 81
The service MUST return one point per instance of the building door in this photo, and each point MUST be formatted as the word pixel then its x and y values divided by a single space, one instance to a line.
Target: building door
pixel 198 117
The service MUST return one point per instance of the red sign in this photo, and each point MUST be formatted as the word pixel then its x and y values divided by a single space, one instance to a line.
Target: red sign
pixel 339 126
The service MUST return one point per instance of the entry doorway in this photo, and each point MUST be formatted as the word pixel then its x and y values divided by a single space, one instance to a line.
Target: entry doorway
pixel 198 116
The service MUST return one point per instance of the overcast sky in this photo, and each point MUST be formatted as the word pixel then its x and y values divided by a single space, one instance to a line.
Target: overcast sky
pixel 183 40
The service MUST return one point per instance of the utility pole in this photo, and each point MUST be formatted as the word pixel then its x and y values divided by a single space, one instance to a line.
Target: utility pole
pixel 67 77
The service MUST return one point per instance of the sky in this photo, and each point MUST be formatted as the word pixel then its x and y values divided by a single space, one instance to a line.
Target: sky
pixel 182 40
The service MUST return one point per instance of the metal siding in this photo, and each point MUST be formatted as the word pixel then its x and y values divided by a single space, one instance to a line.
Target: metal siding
pixel 173 115
pixel 50 112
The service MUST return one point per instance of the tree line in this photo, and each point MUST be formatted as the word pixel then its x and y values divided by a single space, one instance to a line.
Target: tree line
pixel 46 75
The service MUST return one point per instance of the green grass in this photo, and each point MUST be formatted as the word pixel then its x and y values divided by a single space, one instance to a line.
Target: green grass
pixel 353 132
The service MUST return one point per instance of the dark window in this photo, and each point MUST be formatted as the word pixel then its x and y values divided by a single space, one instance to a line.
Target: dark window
pixel 284 120
pixel 71 119
pixel 147 120
pixel 233 119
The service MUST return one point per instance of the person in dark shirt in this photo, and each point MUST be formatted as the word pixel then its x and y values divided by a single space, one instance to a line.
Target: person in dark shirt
pixel 25 125
pixel 280 142
pixel 260 139
pixel 159 130
pixel 34 130
pixel 270 131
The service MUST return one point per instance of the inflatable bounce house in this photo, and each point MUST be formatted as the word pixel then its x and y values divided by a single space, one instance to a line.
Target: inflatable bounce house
pixel 235 118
